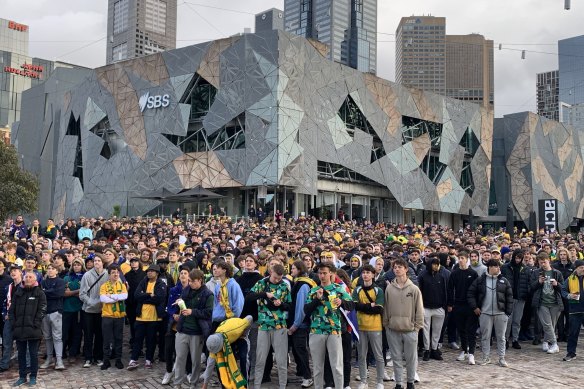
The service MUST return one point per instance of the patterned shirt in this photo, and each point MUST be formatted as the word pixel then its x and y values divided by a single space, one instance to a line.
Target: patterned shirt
pixel 272 319
pixel 326 319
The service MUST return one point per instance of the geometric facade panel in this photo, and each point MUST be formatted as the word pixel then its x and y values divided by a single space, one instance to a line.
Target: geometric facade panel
pixel 260 109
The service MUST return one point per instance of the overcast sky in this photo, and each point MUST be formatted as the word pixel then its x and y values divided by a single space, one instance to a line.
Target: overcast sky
pixel 75 30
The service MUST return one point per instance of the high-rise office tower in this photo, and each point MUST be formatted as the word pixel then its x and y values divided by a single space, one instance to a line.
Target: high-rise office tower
pixel 548 89
pixel 271 19
pixel 458 66
pixel 470 68
pixel 139 27
pixel 571 74
pixel 347 27
pixel 420 53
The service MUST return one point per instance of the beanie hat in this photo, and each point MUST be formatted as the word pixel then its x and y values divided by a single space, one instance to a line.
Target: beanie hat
pixel 578 263
pixel 505 250
pixel 215 343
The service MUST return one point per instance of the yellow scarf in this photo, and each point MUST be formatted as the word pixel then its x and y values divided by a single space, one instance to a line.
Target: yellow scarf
pixel 229 374
pixel 224 299
pixel 308 280
pixel 573 285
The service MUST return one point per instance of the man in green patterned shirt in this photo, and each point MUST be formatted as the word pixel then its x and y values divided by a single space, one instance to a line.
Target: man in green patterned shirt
pixel 323 305
pixel 273 298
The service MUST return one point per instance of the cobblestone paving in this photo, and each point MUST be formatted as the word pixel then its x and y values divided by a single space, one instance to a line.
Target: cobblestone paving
pixel 528 368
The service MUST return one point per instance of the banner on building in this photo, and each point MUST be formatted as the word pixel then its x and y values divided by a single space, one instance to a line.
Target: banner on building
pixel 548 214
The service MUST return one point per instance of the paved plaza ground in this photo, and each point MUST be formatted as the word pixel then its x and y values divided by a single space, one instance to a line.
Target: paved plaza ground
pixel 528 368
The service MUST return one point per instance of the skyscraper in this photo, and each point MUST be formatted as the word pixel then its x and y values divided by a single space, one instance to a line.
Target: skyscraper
pixel 420 53
pixel 458 66
pixel 571 73
pixel 139 27
pixel 271 19
pixel 347 27
pixel 548 89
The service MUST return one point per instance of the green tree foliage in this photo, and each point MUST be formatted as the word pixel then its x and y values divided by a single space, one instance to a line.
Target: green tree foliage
pixel 19 190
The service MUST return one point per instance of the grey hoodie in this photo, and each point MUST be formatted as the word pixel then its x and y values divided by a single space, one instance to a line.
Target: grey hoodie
pixel 480 268
pixel 490 306
pixel 90 298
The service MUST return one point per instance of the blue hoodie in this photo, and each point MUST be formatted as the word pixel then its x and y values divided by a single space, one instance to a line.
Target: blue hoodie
pixel 236 301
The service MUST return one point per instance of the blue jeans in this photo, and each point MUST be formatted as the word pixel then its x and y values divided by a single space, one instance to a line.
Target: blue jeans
pixel 33 349
pixel 576 321
pixel 6 345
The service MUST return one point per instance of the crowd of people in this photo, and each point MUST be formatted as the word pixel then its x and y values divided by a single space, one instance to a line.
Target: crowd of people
pixel 226 298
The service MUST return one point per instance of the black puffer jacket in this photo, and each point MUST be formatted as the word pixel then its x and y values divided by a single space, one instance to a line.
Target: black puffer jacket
pixel 27 310
pixel 478 290
pixel 518 277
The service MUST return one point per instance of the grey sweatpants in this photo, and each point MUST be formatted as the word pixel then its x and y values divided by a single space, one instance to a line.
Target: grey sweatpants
pixel 183 345
pixel 514 322
pixel 52 327
pixel 374 339
pixel 548 317
pixel 487 322
pixel 320 344
pixel 278 339
pixel 403 344
pixel 433 318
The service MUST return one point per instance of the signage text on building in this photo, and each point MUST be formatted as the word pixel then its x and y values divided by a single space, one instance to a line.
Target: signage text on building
pixel 17 26
pixel 155 101
pixel 26 70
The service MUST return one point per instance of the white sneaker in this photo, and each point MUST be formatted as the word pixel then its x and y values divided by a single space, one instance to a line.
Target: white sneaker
pixel 189 378
pixel 471 360
pixel 307 383
pixel 454 346
pixel 347 387
pixel 46 364
pixel 357 378
pixel 166 378
pixel 363 385
pixel 554 348
pixel 386 377
pixel 503 363
pixel 379 386
pixel 462 356
pixel 416 377
pixel 545 346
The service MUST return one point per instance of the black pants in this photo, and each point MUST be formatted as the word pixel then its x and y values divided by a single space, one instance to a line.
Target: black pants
pixel 145 330
pixel 564 322
pixel 466 323
pixel 72 333
pixel 131 315
pixel 113 334
pixel 93 342
pixel 299 341
pixel 161 335
pixel 33 349
pixel 169 349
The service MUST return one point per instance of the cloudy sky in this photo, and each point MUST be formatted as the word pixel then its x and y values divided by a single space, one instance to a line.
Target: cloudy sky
pixel 75 31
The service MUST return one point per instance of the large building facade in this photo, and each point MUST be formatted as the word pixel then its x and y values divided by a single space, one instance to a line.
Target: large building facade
pixel 535 158
pixel 347 27
pixel 457 66
pixel 136 28
pixel 548 94
pixel 258 114
pixel 18 71
pixel 571 80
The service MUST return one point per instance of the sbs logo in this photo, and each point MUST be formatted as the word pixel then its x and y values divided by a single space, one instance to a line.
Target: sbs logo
pixel 158 101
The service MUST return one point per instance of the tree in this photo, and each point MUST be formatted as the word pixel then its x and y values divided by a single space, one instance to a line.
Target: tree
pixel 19 189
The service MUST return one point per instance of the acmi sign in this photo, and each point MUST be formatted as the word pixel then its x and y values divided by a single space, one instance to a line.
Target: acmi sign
pixel 156 101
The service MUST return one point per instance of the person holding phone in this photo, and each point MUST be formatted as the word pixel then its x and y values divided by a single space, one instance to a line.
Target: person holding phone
pixel 547 299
